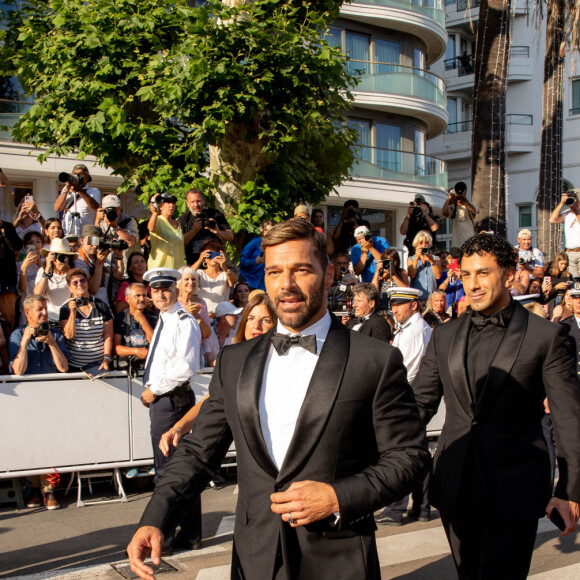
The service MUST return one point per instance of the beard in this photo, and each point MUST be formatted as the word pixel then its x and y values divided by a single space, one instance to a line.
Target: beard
pixel 311 305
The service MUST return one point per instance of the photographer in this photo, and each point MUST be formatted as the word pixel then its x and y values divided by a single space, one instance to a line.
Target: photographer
pixel 252 261
pixel 167 250
pixel 458 209
pixel 571 220
pixel 51 280
pixel 76 197
pixel 390 263
pixel 117 226
pixel 133 328
pixel 368 321
pixel 99 262
pixel 530 258
pixel 423 266
pixel 350 219
pixel 419 217
pixel 200 224
pixel 36 348
pixel 87 324
pixel 366 252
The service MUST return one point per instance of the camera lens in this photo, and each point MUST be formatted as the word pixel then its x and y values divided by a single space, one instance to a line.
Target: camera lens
pixel 111 214
pixel 43 329
pixel 62 258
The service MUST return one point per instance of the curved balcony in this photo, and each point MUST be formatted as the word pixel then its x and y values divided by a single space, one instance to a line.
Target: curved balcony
pixel 402 90
pixel 424 19
pixel 392 164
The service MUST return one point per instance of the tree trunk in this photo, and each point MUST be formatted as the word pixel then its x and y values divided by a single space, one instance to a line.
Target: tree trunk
pixel 552 130
pixel 488 175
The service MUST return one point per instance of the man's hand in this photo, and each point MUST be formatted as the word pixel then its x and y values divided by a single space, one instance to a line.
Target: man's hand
pixel 148 397
pixel 48 339
pixel 146 539
pixel 306 502
pixel 100 215
pixel 141 352
pixel 366 246
pixel 168 439
pixel 28 334
pixel 102 256
pixel 569 510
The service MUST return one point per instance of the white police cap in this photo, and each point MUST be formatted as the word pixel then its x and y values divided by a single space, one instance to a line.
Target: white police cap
pixel 400 294
pixel 161 277
pixel 575 290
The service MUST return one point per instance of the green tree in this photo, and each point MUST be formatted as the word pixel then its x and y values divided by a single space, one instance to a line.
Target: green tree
pixel 247 102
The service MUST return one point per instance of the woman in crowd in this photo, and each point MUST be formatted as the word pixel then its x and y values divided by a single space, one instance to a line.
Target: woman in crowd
pixel 241 294
pixel 258 317
pixel 564 309
pixel 136 268
pixel 188 288
pixel 215 276
pixel 28 218
pixel 556 281
pixel 87 324
pixel 435 312
pixel 52 230
pixel 423 266
pixel 166 236
pixel 28 268
pixel 51 280
pixel 317 220
pixel 382 282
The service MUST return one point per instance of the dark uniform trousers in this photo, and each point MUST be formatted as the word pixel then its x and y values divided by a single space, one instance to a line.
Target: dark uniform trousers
pixel 164 412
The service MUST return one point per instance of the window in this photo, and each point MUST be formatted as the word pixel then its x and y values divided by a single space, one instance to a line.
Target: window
pixel 364 131
pixel 444 233
pixel 387 51
pixel 450 53
pixel 575 109
pixel 525 216
pixel 358 49
pixel 334 36
pixel 388 143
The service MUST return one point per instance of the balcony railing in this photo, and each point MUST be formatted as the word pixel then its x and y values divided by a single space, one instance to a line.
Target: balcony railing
pixel 396 79
pixel 381 163
pixel 520 52
pixel 575 111
pixel 463 64
pixel 10 113
pixel 467 4
pixel 512 119
pixel 433 9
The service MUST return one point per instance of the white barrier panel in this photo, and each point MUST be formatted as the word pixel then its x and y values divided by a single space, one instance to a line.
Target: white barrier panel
pixel 71 423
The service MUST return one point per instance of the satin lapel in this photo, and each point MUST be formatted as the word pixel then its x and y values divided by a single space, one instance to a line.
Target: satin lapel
pixel 504 358
pixel 249 388
pixel 457 364
pixel 319 399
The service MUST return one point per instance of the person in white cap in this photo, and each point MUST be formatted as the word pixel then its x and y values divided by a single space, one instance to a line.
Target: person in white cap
pixel 366 253
pixel 530 259
pixel 227 320
pixel 116 225
pixel 172 360
pixel 411 338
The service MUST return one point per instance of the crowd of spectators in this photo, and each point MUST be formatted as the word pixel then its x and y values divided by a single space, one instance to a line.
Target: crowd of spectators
pixel 74 295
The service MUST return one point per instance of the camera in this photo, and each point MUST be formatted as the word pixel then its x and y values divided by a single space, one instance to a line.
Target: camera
pixel 111 214
pixel 382 269
pixel 43 329
pixel 525 260
pixel 110 243
pixel 369 237
pixel 340 299
pixel 130 364
pixel 162 198
pixel 73 179
pixel 62 258
pixel 417 211
pixel 207 222
pixel 82 301
pixel 350 214
pixel 572 197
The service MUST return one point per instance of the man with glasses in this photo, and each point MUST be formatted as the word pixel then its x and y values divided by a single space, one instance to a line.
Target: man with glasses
pixel 77 197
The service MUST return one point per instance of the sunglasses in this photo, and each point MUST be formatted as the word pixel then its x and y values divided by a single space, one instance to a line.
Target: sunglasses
pixel 80 282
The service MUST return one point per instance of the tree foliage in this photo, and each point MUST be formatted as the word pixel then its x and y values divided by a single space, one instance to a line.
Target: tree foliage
pixel 246 102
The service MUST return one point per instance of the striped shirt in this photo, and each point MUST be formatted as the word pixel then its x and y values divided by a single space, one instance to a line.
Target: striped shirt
pixel 88 345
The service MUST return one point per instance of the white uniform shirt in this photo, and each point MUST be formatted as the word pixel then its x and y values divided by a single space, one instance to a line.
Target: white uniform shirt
pixel 412 340
pixel 571 229
pixel 176 356
pixel 284 386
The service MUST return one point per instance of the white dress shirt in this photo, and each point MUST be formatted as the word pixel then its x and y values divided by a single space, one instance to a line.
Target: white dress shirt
pixel 284 386
pixel 176 356
pixel 412 340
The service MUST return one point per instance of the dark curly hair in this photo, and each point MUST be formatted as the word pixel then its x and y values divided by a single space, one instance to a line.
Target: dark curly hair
pixel 493 244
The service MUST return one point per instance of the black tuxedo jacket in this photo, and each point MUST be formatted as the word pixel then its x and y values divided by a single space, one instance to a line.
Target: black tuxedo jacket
pixel 359 429
pixel 500 433
pixel 374 326
pixel 574 337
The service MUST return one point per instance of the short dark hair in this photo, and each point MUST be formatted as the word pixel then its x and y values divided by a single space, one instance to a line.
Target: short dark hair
pixel 211 244
pixel 369 291
pixel 74 273
pixel 297 230
pixel 352 202
pixel 489 243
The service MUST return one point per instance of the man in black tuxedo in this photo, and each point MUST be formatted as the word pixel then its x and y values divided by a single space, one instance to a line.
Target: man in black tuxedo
pixel 326 430
pixel 491 474
pixel 368 321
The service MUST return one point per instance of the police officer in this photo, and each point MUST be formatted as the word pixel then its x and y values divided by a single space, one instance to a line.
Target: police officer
pixel 172 360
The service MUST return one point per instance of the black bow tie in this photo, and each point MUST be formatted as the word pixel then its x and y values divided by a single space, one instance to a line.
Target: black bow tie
pixel 479 320
pixel 283 342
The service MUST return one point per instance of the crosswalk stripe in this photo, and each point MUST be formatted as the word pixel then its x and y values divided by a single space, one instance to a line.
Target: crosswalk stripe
pixel 410 546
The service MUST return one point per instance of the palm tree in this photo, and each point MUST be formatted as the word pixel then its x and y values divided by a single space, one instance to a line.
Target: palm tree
pixel 488 174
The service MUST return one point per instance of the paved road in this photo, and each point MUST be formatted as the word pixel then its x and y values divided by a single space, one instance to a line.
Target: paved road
pixel 78 543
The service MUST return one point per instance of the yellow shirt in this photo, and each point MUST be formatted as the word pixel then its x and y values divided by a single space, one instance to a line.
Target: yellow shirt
pixel 167 246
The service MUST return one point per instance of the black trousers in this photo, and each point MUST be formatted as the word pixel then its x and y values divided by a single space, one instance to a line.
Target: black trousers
pixel 164 413
pixel 420 505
